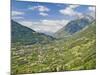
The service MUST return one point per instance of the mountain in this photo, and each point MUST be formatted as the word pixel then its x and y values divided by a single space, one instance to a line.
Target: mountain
pixel 73 27
pixel 24 35
pixel 77 52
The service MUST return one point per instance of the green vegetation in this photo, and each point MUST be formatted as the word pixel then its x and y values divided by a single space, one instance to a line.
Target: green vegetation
pixel 76 52
pixel 23 35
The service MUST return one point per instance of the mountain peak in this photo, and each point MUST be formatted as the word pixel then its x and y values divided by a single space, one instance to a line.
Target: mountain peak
pixel 73 27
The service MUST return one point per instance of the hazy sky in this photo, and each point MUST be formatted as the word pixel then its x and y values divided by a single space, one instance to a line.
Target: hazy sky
pixel 47 17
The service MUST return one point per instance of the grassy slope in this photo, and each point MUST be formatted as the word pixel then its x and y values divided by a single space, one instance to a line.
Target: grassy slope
pixel 23 35
pixel 74 53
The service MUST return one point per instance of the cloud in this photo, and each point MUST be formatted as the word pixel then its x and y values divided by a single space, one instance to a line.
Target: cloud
pixel 49 26
pixel 91 8
pixel 70 11
pixel 45 26
pixel 73 6
pixel 67 11
pixel 43 14
pixel 40 8
pixel 26 23
pixel 92 11
pixel 17 17
pixel 17 13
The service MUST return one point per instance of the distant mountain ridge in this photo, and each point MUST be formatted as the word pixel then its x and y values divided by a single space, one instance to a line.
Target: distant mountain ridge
pixel 26 35
pixel 73 27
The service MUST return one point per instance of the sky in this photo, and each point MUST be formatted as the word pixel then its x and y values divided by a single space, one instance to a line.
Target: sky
pixel 47 18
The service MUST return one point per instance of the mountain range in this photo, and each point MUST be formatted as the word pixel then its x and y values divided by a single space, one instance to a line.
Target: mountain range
pixel 25 35
pixel 76 52
pixel 73 27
